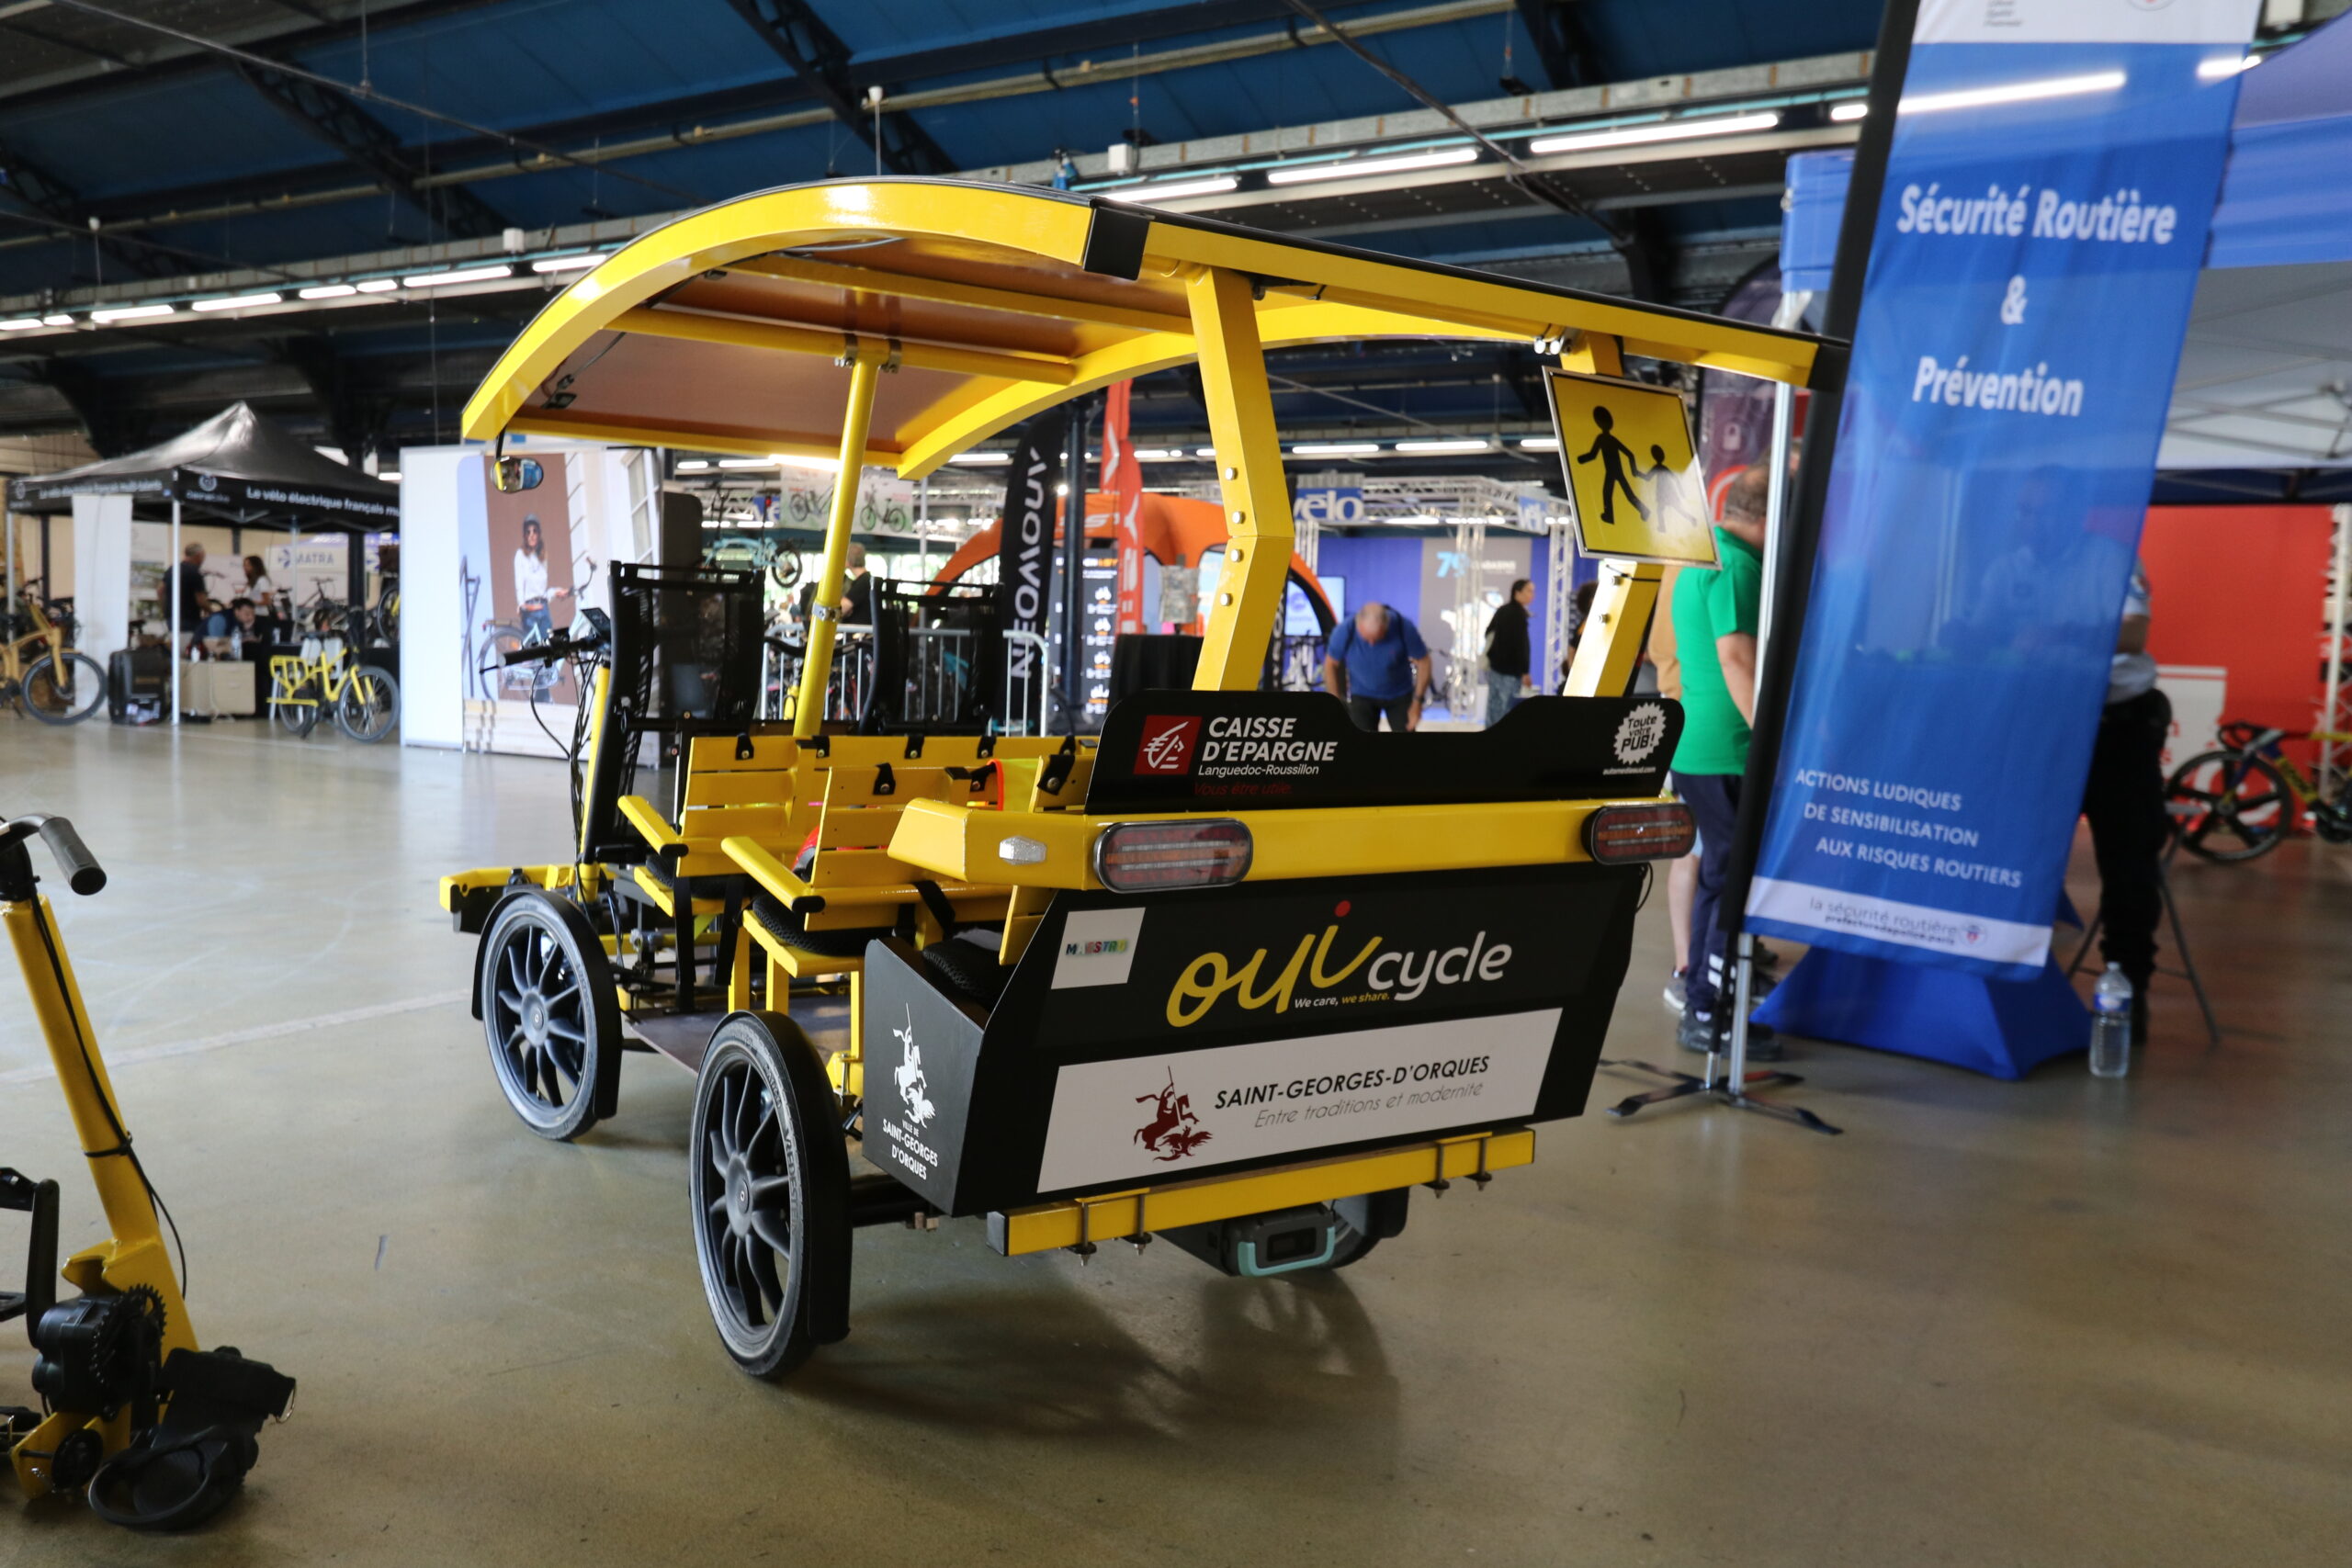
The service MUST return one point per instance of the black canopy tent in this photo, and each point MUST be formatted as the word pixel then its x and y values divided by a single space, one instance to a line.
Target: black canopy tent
pixel 235 468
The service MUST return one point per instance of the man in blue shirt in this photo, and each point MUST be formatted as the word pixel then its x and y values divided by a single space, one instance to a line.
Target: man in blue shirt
pixel 1378 664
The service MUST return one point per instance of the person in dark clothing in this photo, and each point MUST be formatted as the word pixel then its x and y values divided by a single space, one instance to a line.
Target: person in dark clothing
pixel 2125 801
pixel 187 587
pixel 1508 663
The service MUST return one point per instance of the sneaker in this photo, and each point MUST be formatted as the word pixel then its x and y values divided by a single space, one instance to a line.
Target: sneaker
pixel 1703 1034
pixel 1674 997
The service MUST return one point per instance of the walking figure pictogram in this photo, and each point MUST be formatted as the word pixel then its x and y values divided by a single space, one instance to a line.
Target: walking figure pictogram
pixel 1615 458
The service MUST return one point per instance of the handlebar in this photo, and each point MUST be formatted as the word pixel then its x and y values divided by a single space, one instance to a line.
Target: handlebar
pixel 560 647
pixel 83 873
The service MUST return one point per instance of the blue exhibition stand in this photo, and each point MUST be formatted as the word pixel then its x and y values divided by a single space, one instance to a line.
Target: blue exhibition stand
pixel 2004 1028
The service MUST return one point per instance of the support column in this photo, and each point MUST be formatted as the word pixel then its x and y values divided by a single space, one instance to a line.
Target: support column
pixel 1249 475
pixel 825 605
pixel 172 592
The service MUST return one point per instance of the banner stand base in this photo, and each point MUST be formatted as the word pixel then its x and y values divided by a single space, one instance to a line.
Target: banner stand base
pixel 1716 1085
pixel 2001 1027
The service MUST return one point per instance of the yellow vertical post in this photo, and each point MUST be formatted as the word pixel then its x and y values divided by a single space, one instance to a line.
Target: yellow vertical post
pixel 1249 474
pixel 825 606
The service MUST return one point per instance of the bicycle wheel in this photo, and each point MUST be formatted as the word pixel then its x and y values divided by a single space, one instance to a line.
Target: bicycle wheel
pixel 2228 805
pixel 63 689
pixel 369 706
pixel 295 706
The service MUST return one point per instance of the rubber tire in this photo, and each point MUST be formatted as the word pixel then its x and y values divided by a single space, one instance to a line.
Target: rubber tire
pixel 767 1050
pixel 351 702
pixel 2260 767
pixel 297 719
pixel 85 668
pixel 967 970
pixel 575 946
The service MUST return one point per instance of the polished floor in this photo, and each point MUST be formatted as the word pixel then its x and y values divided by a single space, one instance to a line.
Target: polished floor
pixel 2061 1321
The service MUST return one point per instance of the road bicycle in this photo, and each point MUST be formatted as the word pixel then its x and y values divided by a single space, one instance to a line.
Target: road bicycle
pixel 45 679
pixel 365 701
pixel 2238 803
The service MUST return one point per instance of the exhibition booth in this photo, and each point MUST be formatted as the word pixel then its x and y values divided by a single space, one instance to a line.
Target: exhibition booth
pixel 235 475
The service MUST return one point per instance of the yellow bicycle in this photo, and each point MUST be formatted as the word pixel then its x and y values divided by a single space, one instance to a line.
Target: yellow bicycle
pixel 365 701
pixel 47 679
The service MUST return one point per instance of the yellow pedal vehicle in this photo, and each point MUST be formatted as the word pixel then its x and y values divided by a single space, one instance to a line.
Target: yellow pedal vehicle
pixel 1237 976
pixel 156 1433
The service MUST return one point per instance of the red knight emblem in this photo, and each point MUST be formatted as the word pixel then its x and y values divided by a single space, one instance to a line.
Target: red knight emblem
pixel 1173 1131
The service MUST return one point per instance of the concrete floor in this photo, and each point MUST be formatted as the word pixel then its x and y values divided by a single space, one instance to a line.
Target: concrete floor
pixel 2061 1322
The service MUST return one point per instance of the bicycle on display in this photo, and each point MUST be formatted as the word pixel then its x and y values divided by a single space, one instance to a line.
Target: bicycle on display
pixel 2238 803
pixel 365 701
pixel 46 678
pixel 503 642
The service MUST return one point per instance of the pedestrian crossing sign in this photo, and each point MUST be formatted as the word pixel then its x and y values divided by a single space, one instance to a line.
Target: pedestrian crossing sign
pixel 1633 474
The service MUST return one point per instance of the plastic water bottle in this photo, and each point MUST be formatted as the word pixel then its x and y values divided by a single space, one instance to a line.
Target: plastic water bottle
pixel 2111 1024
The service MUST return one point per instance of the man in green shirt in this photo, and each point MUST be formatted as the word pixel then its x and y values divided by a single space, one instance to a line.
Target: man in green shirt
pixel 1715 616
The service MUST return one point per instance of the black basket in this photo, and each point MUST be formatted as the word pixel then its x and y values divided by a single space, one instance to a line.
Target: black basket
pixel 684 660
pixel 938 660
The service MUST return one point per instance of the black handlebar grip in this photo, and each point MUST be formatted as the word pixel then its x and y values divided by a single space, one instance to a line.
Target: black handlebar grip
pixel 83 872
pixel 540 654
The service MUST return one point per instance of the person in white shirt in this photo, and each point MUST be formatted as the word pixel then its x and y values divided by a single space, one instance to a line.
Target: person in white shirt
pixel 531 591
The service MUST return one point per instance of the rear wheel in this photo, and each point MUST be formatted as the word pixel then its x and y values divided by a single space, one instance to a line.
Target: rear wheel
pixel 63 689
pixel 548 1014
pixel 769 1187
pixel 2229 806
pixel 294 704
pixel 370 705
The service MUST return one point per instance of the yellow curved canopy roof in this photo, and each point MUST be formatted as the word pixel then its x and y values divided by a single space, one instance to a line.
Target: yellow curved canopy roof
pixel 728 330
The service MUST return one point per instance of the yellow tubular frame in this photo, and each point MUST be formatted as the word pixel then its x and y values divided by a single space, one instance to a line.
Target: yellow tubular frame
pixel 1249 474
pixel 133 1255
pixel 824 609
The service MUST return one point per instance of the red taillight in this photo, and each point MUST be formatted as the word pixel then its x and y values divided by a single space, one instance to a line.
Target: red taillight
pixel 1619 835
pixel 1146 857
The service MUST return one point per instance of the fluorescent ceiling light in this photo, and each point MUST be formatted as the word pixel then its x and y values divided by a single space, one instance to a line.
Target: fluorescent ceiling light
pixel 1142 454
pixel 693 466
pixel 238 302
pixel 376 286
pixel 568 263
pixel 1848 111
pixel 1216 186
pixel 1464 444
pixel 329 291
pixel 981 459
pixel 1540 443
pixel 57 321
pixel 820 465
pixel 1335 448
pixel 2012 93
pixel 1663 130
pixel 390 476
pixel 464 275
pixel 1363 167
pixel 2220 68
pixel 132 313
pixel 21 325
pixel 747 462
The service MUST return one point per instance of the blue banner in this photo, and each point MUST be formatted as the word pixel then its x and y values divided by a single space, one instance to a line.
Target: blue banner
pixel 2053 171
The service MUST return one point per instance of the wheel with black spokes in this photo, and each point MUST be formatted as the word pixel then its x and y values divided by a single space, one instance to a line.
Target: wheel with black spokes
pixel 2229 806
pixel 547 1011
pixel 769 1185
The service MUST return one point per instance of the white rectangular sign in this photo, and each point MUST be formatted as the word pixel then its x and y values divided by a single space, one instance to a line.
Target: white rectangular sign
pixel 1165 1117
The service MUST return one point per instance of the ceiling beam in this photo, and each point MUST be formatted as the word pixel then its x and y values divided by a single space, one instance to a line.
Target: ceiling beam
pixel 817 55
pixel 1561 44
pixel 52 199
pixel 363 140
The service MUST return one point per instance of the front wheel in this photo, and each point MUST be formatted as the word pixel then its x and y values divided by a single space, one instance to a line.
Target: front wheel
pixel 768 1183
pixel 64 688
pixel 294 704
pixel 370 705
pixel 545 997
pixel 2229 806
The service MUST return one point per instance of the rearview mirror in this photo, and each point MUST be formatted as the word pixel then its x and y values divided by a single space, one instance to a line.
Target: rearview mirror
pixel 510 474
